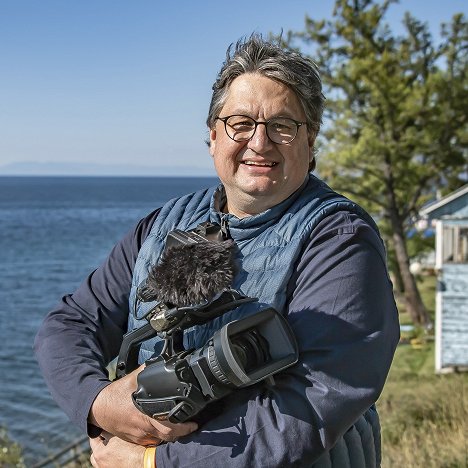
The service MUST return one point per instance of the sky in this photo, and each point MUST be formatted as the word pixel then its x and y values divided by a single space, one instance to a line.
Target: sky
pixel 119 87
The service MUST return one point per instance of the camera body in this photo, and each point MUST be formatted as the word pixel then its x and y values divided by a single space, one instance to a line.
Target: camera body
pixel 178 384
pixel 242 353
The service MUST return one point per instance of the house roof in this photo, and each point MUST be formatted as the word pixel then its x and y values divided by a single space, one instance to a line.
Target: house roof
pixel 454 203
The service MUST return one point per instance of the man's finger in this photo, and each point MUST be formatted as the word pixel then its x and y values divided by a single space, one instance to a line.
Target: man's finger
pixel 94 443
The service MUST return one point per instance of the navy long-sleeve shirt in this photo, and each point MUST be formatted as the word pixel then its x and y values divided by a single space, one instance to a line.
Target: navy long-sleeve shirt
pixel 340 306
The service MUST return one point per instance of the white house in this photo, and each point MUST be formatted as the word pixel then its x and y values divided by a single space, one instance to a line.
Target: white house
pixel 451 262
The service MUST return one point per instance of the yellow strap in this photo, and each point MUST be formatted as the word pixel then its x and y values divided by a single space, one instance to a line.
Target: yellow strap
pixel 149 459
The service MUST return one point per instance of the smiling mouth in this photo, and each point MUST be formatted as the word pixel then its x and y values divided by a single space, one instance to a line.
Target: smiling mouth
pixel 259 164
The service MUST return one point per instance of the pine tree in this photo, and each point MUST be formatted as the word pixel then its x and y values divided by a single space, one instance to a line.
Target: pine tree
pixel 395 126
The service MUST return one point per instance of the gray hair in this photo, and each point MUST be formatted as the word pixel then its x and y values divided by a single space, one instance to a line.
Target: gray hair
pixel 255 55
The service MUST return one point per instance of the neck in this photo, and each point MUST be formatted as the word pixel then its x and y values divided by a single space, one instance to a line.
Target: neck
pixel 248 208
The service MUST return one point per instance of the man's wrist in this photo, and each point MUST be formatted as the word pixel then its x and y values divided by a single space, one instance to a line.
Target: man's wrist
pixel 99 407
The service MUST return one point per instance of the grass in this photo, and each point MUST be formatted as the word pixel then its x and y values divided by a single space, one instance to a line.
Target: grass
pixel 423 414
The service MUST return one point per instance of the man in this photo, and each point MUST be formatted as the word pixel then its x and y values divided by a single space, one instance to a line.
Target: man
pixel 313 255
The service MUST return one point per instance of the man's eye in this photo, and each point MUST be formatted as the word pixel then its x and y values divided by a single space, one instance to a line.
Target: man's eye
pixel 242 125
pixel 278 127
pixel 281 126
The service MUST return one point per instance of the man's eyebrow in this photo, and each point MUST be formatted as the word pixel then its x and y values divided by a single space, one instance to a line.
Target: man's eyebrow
pixel 248 113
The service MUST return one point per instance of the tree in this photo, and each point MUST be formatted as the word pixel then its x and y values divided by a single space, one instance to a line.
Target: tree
pixel 395 124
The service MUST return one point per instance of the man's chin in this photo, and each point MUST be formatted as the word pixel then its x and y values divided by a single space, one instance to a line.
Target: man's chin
pixel 260 188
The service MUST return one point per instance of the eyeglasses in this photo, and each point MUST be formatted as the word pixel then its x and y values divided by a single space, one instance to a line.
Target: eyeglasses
pixel 280 130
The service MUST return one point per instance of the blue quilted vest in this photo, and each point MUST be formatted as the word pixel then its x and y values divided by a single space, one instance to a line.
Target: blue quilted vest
pixel 269 245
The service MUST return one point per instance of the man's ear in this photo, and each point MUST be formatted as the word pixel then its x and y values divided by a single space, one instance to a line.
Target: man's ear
pixel 212 141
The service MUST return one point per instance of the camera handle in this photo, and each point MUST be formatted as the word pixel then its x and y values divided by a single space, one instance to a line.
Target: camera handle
pixel 127 360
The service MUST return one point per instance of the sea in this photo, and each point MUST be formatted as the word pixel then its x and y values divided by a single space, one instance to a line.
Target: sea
pixel 53 232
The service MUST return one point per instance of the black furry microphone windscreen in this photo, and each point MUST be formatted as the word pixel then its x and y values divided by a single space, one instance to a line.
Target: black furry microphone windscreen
pixel 192 274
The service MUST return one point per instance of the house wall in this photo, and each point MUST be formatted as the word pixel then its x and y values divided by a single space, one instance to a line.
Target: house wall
pixel 451 298
pixel 452 317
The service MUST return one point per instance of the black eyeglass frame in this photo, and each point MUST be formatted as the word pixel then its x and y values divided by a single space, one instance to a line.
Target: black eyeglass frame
pixel 266 122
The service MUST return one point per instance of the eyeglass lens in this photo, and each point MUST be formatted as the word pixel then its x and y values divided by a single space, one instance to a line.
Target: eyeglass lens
pixel 279 130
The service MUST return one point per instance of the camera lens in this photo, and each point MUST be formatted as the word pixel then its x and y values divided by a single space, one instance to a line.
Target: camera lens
pixel 250 349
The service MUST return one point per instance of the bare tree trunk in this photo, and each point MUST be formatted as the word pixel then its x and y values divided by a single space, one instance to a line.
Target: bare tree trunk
pixel 414 303
pixel 398 280
pixel 413 300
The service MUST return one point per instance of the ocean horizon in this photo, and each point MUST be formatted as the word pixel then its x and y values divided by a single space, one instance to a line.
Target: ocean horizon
pixel 33 169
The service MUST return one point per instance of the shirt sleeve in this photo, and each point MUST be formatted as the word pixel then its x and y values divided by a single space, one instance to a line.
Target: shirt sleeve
pixel 342 310
pixel 83 333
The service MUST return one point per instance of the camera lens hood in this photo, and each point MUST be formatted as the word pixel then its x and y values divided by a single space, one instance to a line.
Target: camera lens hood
pixel 275 344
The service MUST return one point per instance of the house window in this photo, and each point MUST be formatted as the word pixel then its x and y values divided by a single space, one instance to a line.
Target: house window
pixel 455 244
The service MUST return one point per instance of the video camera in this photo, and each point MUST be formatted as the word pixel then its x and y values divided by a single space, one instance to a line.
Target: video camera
pixel 178 384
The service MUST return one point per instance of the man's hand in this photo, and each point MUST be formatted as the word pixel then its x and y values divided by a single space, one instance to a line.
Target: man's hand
pixel 109 452
pixel 114 411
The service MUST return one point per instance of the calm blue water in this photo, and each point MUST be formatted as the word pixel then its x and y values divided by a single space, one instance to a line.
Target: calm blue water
pixel 53 232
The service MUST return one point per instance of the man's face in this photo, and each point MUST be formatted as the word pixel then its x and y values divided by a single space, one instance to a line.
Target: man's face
pixel 258 174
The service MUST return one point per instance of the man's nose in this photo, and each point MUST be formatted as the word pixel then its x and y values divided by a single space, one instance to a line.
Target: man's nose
pixel 260 142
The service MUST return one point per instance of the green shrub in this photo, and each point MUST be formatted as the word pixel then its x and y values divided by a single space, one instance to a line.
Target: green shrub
pixel 10 452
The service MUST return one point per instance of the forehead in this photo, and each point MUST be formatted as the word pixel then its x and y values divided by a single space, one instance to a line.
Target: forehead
pixel 259 96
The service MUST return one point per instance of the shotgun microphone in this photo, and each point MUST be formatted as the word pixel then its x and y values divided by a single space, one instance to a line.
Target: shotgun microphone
pixel 190 273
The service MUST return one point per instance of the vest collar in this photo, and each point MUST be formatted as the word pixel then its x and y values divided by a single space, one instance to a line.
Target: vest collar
pixel 250 226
